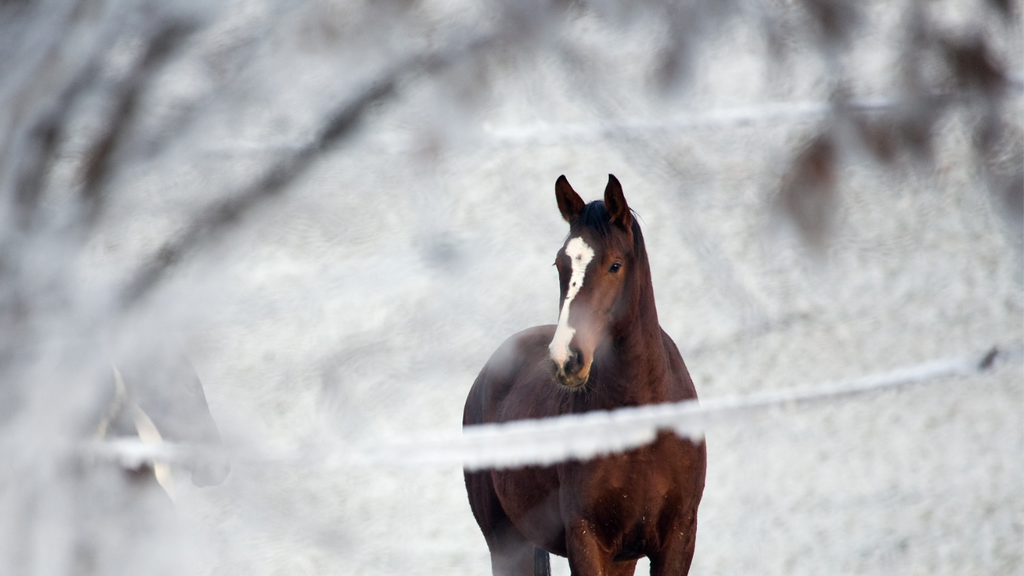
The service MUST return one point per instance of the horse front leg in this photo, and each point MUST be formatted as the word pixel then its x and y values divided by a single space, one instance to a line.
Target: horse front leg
pixel 676 553
pixel 511 553
pixel 587 555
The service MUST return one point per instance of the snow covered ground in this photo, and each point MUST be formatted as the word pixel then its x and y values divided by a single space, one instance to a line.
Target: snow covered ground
pixel 359 306
pixel 372 296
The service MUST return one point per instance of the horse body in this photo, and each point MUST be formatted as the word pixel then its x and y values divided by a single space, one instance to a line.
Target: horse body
pixel 608 351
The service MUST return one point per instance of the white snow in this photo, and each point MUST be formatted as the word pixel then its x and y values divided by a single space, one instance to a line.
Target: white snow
pixel 338 328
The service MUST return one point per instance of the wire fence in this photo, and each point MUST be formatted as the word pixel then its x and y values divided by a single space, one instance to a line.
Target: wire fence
pixel 557 134
pixel 569 437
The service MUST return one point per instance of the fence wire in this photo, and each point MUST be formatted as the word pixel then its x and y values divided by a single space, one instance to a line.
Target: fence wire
pixel 569 437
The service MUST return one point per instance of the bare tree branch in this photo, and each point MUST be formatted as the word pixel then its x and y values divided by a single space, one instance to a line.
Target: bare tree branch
pixel 100 160
pixel 337 128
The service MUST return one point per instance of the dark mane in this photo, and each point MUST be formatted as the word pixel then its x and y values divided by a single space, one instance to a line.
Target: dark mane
pixel 595 218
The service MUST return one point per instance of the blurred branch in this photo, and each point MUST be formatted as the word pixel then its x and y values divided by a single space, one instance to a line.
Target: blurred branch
pixel 940 70
pixel 33 61
pixel 161 45
pixel 561 134
pixel 41 145
pixel 335 130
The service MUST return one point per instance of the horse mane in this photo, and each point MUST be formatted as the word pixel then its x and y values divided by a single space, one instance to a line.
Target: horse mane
pixel 595 218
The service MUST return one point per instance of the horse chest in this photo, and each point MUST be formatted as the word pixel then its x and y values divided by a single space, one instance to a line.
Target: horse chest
pixel 626 498
pixel 628 487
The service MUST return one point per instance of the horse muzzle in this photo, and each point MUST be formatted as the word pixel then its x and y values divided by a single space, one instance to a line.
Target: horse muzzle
pixel 573 372
pixel 210 470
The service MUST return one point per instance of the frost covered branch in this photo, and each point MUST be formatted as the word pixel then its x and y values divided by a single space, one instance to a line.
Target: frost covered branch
pixel 335 130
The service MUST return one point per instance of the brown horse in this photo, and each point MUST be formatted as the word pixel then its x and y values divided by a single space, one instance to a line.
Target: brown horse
pixel 607 351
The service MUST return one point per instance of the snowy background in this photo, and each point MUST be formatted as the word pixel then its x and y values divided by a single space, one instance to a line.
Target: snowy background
pixel 355 303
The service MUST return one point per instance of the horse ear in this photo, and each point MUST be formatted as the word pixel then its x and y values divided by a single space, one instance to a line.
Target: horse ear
pixel 615 203
pixel 569 202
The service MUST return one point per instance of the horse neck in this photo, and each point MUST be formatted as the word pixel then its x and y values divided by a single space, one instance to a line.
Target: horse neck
pixel 636 365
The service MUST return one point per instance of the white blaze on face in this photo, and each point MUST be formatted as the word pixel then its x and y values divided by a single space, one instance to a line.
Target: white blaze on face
pixel 580 254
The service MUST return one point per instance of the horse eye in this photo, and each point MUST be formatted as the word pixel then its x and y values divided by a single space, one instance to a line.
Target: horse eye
pixel 615 268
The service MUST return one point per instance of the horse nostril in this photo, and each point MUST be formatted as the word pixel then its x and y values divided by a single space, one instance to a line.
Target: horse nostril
pixel 574 362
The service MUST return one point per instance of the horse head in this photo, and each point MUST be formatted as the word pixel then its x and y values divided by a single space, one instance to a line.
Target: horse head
pixel 600 268
pixel 165 401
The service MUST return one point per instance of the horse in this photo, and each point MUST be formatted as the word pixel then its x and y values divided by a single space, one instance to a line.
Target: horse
pixel 78 514
pixel 607 351
pixel 156 397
